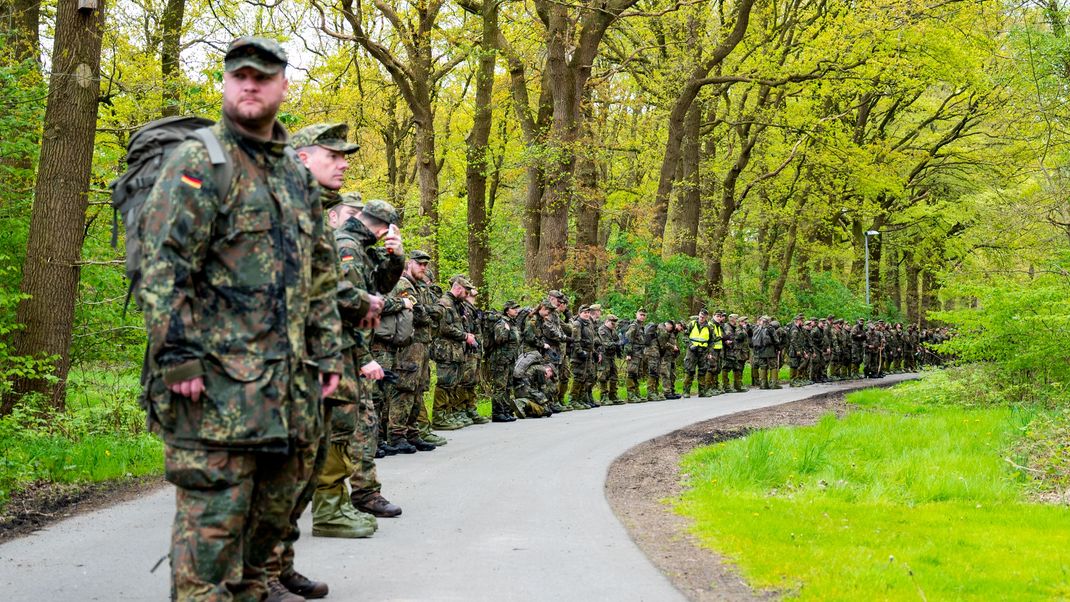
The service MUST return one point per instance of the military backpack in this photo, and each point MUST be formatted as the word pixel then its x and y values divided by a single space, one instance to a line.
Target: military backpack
pixel 146 154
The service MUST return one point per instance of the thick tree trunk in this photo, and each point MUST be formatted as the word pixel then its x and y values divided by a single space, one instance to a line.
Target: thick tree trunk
pixel 929 299
pixel 477 167
pixel 57 225
pixel 689 190
pixel 891 281
pixel 785 266
pixel 587 252
pixel 170 50
pixel 876 298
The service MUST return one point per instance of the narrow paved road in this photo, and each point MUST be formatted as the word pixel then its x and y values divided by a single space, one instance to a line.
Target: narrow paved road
pixel 504 512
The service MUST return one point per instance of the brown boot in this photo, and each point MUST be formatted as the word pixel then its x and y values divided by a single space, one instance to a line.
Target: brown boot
pixel 303 586
pixel 277 592
pixel 737 381
pixel 377 505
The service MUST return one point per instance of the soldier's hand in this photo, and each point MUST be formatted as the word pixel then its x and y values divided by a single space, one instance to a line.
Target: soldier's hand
pixel 328 388
pixel 372 371
pixel 191 388
pixel 375 306
pixel 627 358
pixel 407 302
pixel 470 339
pixel 392 241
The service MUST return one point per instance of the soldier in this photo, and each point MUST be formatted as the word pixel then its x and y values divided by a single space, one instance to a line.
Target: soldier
pixel 543 334
pixel 468 401
pixel 636 342
pixel 656 339
pixel 669 362
pixel 607 368
pixel 697 358
pixel 744 350
pixel 732 367
pixel 763 342
pixel 583 359
pixel 533 377
pixel 718 330
pixel 397 333
pixel 874 349
pixel 798 350
pixel 375 270
pixel 235 380
pixel 666 339
pixel 414 368
pixel 448 351
pixel 504 349
pixel 781 343
pixel 563 318
pixel 322 148
pixel 858 348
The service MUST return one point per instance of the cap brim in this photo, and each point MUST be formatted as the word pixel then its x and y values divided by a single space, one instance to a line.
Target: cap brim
pixel 342 147
pixel 256 62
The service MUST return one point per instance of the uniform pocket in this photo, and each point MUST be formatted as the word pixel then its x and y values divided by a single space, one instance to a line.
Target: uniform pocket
pixel 244 402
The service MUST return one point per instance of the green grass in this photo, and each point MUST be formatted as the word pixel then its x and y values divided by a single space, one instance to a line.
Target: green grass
pixel 100 436
pixel 910 497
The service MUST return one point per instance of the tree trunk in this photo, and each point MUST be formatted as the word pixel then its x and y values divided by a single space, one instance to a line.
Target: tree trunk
pixel 57 225
pixel 589 202
pixel 891 282
pixel 24 17
pixel 929 300
pixel 170 50
pixel 911 298
pixel 785 266
pixel 689 194
pixel 477 168
pixel 874 274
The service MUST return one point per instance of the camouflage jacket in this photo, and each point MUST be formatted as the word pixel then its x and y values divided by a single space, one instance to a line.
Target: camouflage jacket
pixel 506 346
pixel 637 339
pixel 449 346
pixel 426 313
pixel 764 341
pixel 735 337
pixel 240 291
pixel 799 342
pixel 610 342
pixel 585 340
pixel 539 331
pixel 366 268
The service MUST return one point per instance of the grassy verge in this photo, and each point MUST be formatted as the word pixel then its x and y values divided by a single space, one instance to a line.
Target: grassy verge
pixel 100 437
pixel 915 495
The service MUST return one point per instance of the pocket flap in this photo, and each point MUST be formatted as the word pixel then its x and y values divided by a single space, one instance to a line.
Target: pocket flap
pixel 242 367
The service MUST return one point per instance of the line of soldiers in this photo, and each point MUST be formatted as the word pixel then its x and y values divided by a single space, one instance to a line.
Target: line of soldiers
pixel 532 357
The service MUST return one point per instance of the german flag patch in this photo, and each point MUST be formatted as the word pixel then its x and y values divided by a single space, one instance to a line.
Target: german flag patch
pixel 191 181
pixel 346 255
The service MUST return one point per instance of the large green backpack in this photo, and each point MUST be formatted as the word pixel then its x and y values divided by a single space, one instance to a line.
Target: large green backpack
pixel 148 150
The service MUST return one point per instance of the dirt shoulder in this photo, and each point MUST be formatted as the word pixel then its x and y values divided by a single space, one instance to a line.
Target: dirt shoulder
pixel 43 504
pixel 640 480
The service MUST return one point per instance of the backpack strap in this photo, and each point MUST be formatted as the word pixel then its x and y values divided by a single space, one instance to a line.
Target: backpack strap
pixel 220 158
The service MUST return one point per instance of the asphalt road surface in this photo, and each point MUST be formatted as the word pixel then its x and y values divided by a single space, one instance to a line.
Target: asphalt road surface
pixel 504 512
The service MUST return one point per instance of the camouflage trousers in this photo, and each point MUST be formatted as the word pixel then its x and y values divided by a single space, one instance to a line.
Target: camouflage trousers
pixel 445 396
pixel 404 413
pixel 583 377
pixel 667 374
pixel 635 369
pixel 499 375
pixel 282 560
pixel 232 510
pixel 382 392
pixel 608 378
pixel 563 373
pixel 696 360
pixel 355 431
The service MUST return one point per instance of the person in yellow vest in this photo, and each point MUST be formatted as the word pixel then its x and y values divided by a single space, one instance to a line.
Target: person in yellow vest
pixel 718 330
pixel 697 359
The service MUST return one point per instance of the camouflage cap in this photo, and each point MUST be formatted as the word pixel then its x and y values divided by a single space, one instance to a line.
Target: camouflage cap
pixel 331 136
pixel 381 210
pixel 595 307
pixel 703 312
pixel 611 318
pixel 641 310
pixel 800 317
pixel 510 305
pixel 420 256
pixel 263 54
pixel 556 294
pixel 461 280
pixel 733 316
pixel 349 199
pixel 584 308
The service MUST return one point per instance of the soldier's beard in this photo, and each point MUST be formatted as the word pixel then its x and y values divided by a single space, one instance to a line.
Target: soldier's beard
pixel 251 117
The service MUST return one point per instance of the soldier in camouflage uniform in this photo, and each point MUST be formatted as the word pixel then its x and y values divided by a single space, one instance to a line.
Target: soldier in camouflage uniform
pixel 375 270
pixel 532 381
pixel 323 149
pixel 798 350
pixel 874 350
pixel 858 348
pixel 744 351
pixel 669 350
pixel 635 354
pixel 543 334
pixel 448 352
pixel 563 316
pixel 735 337
pixel 243 334
pixel 607 368
pixel 468 398
pixel 414 369
pixel 763 343
pixel 504 349
pixel 583 359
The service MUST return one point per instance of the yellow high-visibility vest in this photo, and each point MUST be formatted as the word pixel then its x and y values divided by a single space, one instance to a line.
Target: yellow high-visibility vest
pixel 719 333
pixel 699 335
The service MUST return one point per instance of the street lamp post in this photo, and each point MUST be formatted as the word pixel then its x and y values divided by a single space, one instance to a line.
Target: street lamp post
pixel 866 236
